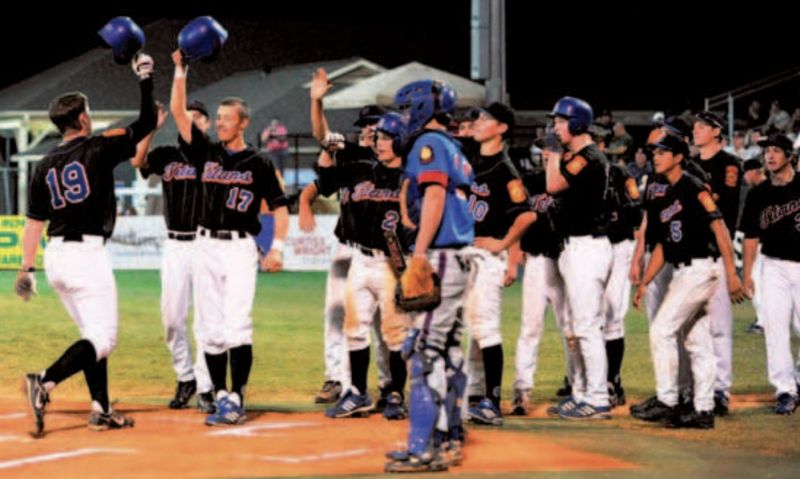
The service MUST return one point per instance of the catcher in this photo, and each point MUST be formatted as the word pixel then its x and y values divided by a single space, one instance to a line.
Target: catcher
pixel 434 206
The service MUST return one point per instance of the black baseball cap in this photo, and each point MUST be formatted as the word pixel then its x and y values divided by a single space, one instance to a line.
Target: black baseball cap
pixel 671 143
pixel 710 118
pixel 500 112
pixel 752 164
pixel 369 115
pixel 198 105
pixel 781 141
pixel 678 126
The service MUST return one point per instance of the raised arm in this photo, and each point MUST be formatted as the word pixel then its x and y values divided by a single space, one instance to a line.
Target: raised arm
pixel 177 102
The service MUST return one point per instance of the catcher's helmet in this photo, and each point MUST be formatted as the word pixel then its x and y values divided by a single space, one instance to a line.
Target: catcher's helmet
pixel 577 111
pixel 202 39
pixel 423 100
pixel 124 37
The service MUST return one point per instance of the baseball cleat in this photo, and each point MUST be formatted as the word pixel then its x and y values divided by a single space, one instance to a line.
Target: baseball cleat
pixel 691 420
pixel 658 411
pixel 584 411
pixel 37 398
pixel 103 421
pixel 566 404
pixel 428 462
pixel 394 410
pixel 616 394
pixel 330 392
pixel 228 414
pixel 786 404
pixel 519 406
pixel 721 404
pixel 205 403
pixel 351 404
pixel 183 393
pixel 486 412
pixel 639 408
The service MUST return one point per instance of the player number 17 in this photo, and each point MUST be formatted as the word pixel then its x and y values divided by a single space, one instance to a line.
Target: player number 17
pixel 239 199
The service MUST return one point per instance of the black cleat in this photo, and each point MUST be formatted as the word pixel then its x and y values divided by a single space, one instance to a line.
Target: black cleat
pixel 37 398
pixel 330 393
pixel 721 404
pixel 691 420
pixel 103 421
pixel 655 413
pixel 183 393
pixel 205 403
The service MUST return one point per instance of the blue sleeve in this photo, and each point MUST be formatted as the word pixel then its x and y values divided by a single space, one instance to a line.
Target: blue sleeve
pixel 429 160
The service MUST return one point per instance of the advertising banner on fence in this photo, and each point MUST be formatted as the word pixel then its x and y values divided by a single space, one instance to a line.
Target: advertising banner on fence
pixel 11 243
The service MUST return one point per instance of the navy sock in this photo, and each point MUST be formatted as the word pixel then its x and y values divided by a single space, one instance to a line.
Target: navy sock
pixel 397 366
pixel 615 350
pixel 218 370
pixel 97 381
pixel 359 365
pixel 241 362
pixel 493 369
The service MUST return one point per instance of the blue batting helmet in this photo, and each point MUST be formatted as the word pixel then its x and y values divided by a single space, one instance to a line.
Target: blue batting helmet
pixel 423 100
pixel 577 111
pixel 202 39
pixel 124 37
pixel 391 123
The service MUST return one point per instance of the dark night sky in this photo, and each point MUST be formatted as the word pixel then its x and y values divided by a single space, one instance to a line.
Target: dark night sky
pixel 636 57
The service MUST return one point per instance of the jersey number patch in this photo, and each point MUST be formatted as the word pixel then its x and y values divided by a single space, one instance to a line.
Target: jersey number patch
pixel 239 199
pixel 675 231
pixel 390 220
pixel 71 187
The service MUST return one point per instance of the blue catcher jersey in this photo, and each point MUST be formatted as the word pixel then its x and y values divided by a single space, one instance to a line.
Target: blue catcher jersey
pixel 436 158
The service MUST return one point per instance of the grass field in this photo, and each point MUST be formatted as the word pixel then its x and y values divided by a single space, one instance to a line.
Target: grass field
pixel 288 369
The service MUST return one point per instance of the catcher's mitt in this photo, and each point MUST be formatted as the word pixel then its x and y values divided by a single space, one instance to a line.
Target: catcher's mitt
pixel 419 287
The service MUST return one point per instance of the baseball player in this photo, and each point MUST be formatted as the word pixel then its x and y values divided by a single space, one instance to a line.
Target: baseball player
pixel 73 189
pixel 624 218
pixel 771 218
pixel 690 234
pixel 585 263
pixel 371 281
pixel 501 208
pixel 437 210
pixel 724 172
pixel 235 179
pixel 180 189
pixel 542 284
pixel 361 157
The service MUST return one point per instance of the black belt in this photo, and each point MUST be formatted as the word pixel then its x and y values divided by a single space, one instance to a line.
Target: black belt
pixel 181 236
pixel 223 234
pixel 364 250
pixel 76 238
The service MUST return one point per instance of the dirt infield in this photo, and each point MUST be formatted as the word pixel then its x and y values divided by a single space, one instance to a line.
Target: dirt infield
pixel 167 443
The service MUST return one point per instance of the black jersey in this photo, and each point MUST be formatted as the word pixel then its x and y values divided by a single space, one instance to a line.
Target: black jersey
pixel 354 165
pixel 73 186
pixel 542 237
pixel 655 194
pixel 683 222
pixel 583 206
pixel 725 178
pixel 497 195
pixel 382 198
pixel 233 185
pixel 772 214
pixel 180 185
pixel 623 199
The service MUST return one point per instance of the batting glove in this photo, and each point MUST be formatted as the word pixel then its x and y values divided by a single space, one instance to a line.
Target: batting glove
pixel 25 287
pixel 142 65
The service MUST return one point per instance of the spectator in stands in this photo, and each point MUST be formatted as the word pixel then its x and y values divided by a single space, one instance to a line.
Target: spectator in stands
pixel 621 144
pixel 794 129
pixel 753 150
pixel 754 117
pixel 274 140
pixel 640 166
pixel 737 146
pixel 779 120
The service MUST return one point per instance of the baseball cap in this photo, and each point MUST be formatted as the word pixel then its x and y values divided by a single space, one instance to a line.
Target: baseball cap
pixel 369 115
pixel 752 164
pixel 781 141
pixel 710 118
pixel 500 112
pixel 198 105
pixel 671 143
pixel 678 126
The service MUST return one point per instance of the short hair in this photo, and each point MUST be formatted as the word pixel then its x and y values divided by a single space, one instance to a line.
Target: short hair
pixel 65 111
pixel 241 105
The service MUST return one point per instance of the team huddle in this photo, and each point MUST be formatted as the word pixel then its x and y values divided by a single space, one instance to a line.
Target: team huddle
pixel 432 227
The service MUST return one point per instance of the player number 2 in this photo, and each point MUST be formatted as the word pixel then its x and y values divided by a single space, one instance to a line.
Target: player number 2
pixel 390 220
pixel 239 199
pixel 73 186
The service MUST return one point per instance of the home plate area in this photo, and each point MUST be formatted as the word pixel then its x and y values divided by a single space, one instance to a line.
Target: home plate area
pixel 166 443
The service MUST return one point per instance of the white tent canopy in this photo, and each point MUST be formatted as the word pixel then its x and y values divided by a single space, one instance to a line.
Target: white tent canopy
pixel 381 88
